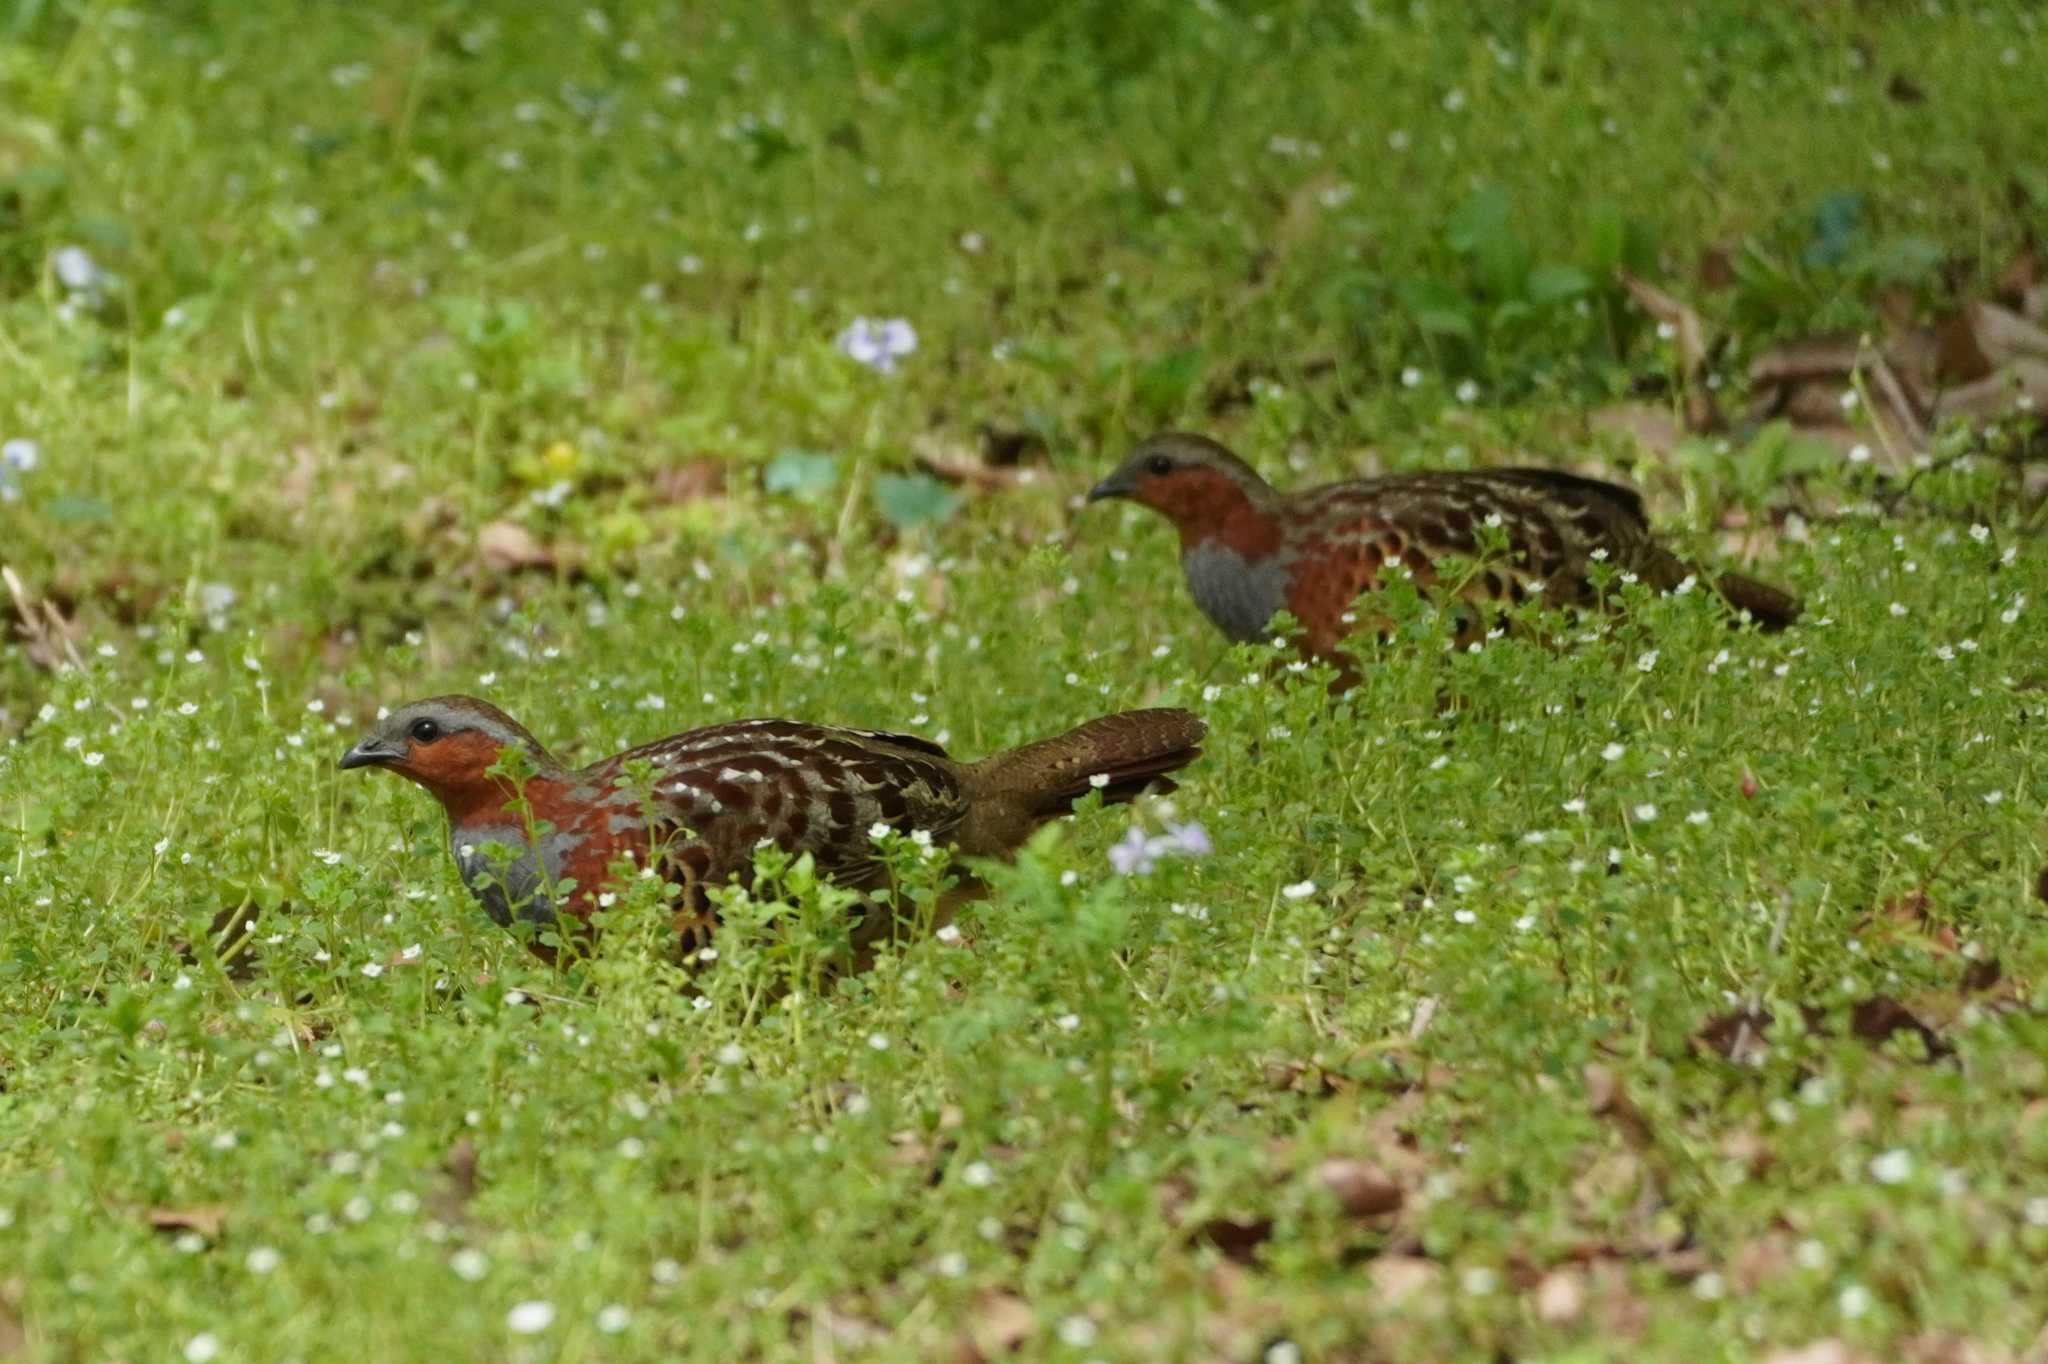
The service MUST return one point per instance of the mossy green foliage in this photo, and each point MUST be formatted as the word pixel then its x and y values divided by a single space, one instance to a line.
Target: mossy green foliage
pixel 370 280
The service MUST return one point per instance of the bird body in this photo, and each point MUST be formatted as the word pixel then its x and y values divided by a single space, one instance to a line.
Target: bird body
pixel 702 801
pixel 1249 550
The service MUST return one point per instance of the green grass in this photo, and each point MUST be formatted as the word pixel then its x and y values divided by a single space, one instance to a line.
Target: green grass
pixel 378 274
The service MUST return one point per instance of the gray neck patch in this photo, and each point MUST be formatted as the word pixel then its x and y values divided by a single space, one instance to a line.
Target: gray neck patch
pixel 1235 592
pixel 500 869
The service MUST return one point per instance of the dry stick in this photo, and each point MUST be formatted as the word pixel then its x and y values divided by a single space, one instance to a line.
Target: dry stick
pixel 44 627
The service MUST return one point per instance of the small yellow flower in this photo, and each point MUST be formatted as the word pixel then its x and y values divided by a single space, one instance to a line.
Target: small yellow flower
pixel 561 459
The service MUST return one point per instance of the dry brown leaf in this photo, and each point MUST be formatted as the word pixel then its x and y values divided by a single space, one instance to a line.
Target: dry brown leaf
pixel 1759 1262
pixel 1942 1347
pixel 1648 425
pixel 1605 1098
pixel 1825 356
pixel 687 482
pixel 1002 1322
pixel 1401 1278
pixel 1997 394
pixel 965 467
pixel 1828 1351
pixel 208 1220
pixel 1360 1188
pixel 2003 336
pixel 507 546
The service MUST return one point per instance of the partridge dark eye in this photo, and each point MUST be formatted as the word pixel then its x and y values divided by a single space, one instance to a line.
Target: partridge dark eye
pixel 1159 464
pixel 425 731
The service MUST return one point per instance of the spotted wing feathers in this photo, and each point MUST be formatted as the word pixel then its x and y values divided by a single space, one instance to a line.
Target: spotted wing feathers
pixel 720 791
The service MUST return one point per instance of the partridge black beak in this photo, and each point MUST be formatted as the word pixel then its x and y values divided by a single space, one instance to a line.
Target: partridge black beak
pixel 1116 485
pixel 371 752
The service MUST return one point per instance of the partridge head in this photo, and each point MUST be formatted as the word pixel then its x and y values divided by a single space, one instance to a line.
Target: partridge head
pixel 718 792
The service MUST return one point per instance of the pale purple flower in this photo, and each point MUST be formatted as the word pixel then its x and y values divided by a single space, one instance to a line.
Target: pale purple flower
pixel 1139 853
pixel 1133 856
pixel 17 457
pixel 878 342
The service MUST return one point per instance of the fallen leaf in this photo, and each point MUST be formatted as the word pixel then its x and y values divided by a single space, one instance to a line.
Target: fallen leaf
pixel 1828 1351
pixel 507 546
pixel 1360 1188
pixel 208 1221
pixel 1397 1278
pixel 1758 1263
pixel 1605 1098
pixel 1717 267
pixel 1737 1035
pixel 1980 976
pixel 1877 1019
pixel 1002 1322
pixel 689 481
pixel 1004 447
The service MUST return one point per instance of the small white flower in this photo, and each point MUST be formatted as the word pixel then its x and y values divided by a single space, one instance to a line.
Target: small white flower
pixel 1575 806
pixel 1647 661
pixel 373 969
pixel 1300 890
pixel 1411 377
pixel 95 759
pixel 877 1042
pixel 1646 813
pixel 948 934
pixel 731 1054
pixel 1893 1167
pixel 1698 817
pixel 263 1259
pixel 1468 392
pixel 879 831
pixel 1993 797
pixel 1898 608
pixel 1077 1331
pixel 19 454
pixel 77 271
pixel 530 1318
pixel 202 1347
pixel 978 1175
pixel 1854 1301
pixel 613 1318
pixel 1098 780
pixel 1613 752
pixel 1067 1022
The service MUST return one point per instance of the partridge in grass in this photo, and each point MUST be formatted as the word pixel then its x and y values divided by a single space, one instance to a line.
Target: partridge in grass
pixel 1248 549
pixel 718 792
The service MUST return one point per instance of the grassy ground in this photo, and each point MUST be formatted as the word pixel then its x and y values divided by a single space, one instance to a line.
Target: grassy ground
pixel 1409 1067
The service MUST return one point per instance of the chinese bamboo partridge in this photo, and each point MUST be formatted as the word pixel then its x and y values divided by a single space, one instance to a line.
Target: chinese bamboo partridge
pixel 1248 549
pixel 718 792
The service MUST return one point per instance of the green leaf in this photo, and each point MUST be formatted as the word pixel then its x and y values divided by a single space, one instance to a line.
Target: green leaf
pixel 1552 284
pixel 908 501
pixel 804 474
pixel 75 509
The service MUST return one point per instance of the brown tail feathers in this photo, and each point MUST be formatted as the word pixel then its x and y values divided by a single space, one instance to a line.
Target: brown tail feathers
pixel 1134 750
pixel 1770 608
